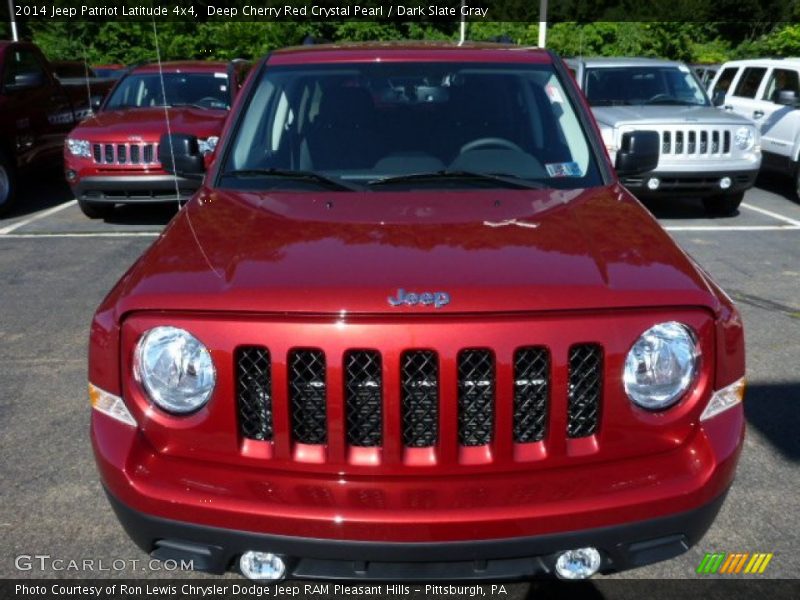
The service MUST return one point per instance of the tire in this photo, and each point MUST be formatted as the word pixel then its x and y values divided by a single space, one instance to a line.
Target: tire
pixel 726 205
pixel 8 184
pixel 797 182
pixel 96 210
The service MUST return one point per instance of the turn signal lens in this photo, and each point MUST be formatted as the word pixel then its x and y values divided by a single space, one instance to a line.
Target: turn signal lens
pixel 110 405
pixel 723 399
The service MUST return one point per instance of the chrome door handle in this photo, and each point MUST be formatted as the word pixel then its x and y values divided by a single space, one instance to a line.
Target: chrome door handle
pixel 757 114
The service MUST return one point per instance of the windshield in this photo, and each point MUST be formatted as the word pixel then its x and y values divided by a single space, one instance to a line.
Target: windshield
pixel 388 125
pixel 665 85
pixel 203 90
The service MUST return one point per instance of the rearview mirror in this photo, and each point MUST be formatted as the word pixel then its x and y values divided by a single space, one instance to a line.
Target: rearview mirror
pixel 787 98
pixel 180 154
pixel 719 98
pixel 638 153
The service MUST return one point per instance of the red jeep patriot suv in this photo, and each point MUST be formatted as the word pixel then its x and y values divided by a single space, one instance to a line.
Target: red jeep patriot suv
pixel 412 327
pixel 112 157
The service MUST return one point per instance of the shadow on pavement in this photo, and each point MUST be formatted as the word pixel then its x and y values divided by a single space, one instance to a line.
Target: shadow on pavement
pixel 781 185
pixel 143 214
pixel 774 410
pixel 40 190
pixel 680 208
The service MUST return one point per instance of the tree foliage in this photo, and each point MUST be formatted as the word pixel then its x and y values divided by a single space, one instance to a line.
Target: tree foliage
pixel 702 41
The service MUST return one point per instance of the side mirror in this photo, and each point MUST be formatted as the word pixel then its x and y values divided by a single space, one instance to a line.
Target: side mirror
pixel 787 98
pixel 180 154
pixel 24 81
pixel 719 98
pixel 638 153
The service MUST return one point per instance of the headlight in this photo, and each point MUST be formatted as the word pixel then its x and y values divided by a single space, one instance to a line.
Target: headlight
pixel 175 369
pixel 745 138
pixel 207 146
pixel 661 365
pixel 79 148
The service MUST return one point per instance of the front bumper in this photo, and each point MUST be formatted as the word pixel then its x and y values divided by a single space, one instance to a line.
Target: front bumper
pixel 697 184
pixel 123 189
pixel 623 546
pixel 501 525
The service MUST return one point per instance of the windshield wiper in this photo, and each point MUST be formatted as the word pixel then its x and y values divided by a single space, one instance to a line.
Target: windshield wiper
pixel 504 178
pixel 292 174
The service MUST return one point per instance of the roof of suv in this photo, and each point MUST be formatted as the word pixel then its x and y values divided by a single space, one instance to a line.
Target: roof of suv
pixel 409 52
pixel 765 62
pixel 184 66
pixel 604 61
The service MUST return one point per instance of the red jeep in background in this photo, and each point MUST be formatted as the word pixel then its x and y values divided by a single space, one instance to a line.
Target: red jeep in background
pixel 36 112
pixel 412 327
pixel 112 158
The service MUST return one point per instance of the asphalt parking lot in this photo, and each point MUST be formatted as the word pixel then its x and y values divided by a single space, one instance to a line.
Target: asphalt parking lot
pixel 56 266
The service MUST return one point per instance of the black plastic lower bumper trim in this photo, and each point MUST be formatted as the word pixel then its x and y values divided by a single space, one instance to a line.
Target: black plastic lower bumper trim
pixel 690 184
pixel 216 550
pixel 121 189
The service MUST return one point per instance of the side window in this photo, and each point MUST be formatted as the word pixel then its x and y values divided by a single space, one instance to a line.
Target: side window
pixel 782 79
pixel 23 64
pixel 749 82
pixel 725 79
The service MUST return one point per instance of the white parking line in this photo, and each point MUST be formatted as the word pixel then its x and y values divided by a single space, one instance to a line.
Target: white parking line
pixel 769 213
pixel 731 228
pixel 36 216
pixel 101 234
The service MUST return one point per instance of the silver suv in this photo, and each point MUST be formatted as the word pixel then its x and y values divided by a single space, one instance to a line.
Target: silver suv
pixel 705 152
pixel 766 90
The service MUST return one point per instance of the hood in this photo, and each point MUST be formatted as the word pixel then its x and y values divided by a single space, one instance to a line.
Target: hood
pixel 149 124
pixel 614 116
pixel 335 253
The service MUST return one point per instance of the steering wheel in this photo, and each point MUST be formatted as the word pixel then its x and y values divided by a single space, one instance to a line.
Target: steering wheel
pixel 490 141
pixel 209 101
pixel 658 98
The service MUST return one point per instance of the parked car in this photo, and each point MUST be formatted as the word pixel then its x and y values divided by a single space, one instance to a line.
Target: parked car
pixel 411 325
pixel 705 152
pixel 112 157
pixel 768 92
pixel 112 71
pixel 36 113
pixel 705 73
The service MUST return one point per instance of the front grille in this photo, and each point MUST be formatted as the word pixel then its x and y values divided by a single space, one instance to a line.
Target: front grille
pixel 531 392
pixel 254 392
pixel 307 392
pixel 695 143
pixel 363 397
pixel 476 386
pixel 585 388
pixel 125 154
pixel 419 381
pixel 414 409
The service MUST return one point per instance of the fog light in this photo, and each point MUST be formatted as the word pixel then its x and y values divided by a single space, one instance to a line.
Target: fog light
pixel 725 183
pixel 578 564
pixel 262 565
pixel 71 175
pixel 653 183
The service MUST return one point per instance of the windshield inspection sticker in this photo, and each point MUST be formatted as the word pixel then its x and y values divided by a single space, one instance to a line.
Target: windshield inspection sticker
pixel 554 94
pixel 566 169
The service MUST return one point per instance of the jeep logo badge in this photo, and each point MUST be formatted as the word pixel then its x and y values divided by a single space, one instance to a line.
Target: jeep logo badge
pixel 437 299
